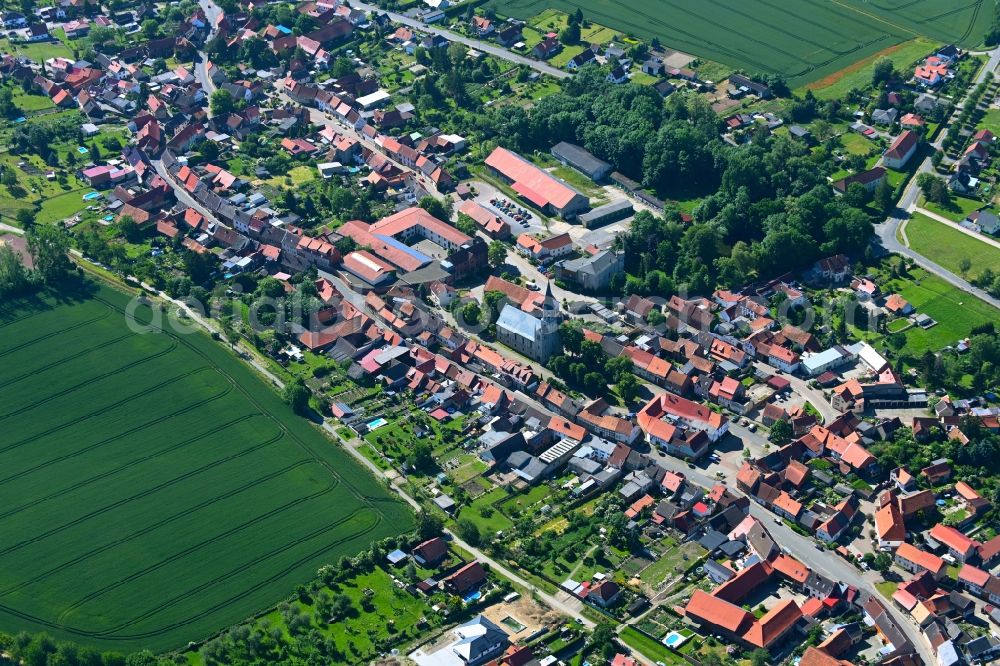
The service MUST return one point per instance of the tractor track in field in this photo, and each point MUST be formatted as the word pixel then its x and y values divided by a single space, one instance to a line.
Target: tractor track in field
pixel 45 338
pixel 65 359
pixel 291 567
pixel 108 408
pixel 187 551
pixel 226 581
pixel 111 472
pixel 140 495
pixel 256 403
pixel 90 380
pixel 148 528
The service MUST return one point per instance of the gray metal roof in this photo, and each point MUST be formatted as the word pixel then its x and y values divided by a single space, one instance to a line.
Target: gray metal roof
pixel 579 157
pixel 519 322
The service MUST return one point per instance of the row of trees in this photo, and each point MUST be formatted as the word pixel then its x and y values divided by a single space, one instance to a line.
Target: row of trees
pixel 43 650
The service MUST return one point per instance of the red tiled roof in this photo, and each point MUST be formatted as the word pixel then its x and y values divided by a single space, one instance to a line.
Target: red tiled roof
pixel 889 523
pixel 753 576
pixel 921 558
pixel 903 144
pixel 707 608
pixel 366 265
pixel 791 568
pixel 952 538
pixel 774 624
pixel 650 415
pixel 973 575
pixel 405 220
pixel 533 182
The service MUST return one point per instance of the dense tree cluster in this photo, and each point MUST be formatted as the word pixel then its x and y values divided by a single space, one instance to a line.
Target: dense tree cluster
pixel 980 365
pixel 43 650
pixel 15 279
pixel 584 365
pixel 672 148
pixel 769 207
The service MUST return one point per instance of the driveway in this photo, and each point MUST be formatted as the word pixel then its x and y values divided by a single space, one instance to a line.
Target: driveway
pixel 800 387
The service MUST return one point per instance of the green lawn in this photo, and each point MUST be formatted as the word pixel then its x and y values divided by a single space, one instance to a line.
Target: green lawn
pixel 887 588
pixel 521 502
pixel 859 73
pixel 948 247
pixel 991 121
pixel 856 144
pixel 955 311
pixel 299 175
pixel 394 615
pixel 39 52
pixel 54 200
pixel 485 514
pixel 565 55
pixel 579 181
pixel 672 563
pixel 649 647
pixel 957 210
pixel 154 490
pixel 30 103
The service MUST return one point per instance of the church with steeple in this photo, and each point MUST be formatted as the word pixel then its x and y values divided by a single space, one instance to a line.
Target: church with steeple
pixel 536 335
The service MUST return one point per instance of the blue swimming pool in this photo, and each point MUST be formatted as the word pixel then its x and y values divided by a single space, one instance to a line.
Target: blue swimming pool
pixel 90 196
pixel 674 639
pixel 472 596
pixel 377 423
pixel 82 150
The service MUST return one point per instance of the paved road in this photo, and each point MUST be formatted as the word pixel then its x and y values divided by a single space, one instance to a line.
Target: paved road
pixel 317 117
pixel 886 231
pixel 800 386
pixel 561 602
pixel 485 47
pixel 803 549
pixel 182 195
pixel 212 11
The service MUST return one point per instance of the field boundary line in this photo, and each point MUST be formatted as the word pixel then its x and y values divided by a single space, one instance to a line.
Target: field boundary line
pixel 878 18
pixel 312 555
pixel 35 341
pixel 91 380
pixel 66 359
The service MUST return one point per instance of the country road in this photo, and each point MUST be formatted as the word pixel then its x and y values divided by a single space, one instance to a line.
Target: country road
pixel 485 47
pixel 886 231
pixel 561 602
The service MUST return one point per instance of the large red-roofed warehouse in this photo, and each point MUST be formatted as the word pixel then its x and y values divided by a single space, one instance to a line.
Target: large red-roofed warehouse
pixel 538 188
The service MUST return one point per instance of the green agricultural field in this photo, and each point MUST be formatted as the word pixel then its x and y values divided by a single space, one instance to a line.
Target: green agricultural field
pixel 859 73
pixel 803 41
pixel 948 246
pixel 152 489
